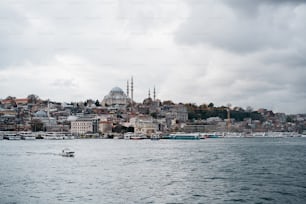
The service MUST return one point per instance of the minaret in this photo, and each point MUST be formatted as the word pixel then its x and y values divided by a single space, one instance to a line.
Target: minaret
pixel 127 88
pixel 228 117
pixel 48 111
pixel 132 90
pixel 149 94
pixel 154 94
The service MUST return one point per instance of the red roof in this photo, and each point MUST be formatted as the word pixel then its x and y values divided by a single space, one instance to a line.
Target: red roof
pixel 7 101
pixel 22 100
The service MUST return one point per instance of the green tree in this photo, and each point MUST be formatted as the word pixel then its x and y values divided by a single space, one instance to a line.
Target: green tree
pixel 32 98
pixel 97 103
pixel 210 105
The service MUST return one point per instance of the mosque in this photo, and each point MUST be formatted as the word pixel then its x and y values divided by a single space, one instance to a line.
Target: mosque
pixel 117 99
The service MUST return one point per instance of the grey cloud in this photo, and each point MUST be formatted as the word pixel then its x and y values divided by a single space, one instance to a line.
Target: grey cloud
pixel 239 52
pixel 219 25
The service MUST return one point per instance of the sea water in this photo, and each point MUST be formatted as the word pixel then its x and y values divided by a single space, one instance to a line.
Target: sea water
pixel 237 170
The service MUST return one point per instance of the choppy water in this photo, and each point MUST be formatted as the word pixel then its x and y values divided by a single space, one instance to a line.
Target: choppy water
pixel 119 171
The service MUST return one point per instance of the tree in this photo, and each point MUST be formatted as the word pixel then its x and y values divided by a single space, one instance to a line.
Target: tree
pixel 10 98
pixel 168 102
pixel 289 119
pixel 249 109
pixel 97 103
pixel 210 105
pixel 33 98
pixel 154 115
pixel 203 106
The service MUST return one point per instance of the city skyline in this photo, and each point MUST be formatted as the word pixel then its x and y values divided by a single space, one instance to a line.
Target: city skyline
pixel 243 53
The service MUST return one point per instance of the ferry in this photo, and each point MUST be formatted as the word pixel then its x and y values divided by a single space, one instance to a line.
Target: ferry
pixel 53 136
pixel 11 136
pixel 155 137
pixel 211 135
pixel 68 136
pixel 134 136
pixel 233 135
pixel 27 135
pixel 184 136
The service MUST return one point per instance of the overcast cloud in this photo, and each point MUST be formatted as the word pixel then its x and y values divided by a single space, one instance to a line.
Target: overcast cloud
pixel 247 53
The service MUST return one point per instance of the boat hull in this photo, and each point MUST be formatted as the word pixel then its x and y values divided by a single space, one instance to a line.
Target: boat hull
pixel 183 137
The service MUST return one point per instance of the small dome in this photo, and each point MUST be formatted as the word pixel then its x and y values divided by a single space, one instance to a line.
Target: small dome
pixel 41 114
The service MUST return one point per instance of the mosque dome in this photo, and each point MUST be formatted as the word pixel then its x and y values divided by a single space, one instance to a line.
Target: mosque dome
pixel 116 98
pixel 41 114
pixel 116 90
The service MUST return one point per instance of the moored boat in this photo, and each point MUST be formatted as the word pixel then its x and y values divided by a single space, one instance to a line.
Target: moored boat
pixel 27 135
pixel 54 136
pixel 11 136
pixel 134 136
pixel 184 136
pixel 155 137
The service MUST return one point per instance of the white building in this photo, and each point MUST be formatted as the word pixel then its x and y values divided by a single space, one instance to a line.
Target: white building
pixel 144 125
pixel 84 125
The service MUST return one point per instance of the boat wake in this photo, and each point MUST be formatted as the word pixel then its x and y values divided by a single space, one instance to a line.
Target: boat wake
pixel 43 153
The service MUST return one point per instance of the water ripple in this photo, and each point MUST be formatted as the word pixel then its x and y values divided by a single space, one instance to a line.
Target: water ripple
pixel 117 171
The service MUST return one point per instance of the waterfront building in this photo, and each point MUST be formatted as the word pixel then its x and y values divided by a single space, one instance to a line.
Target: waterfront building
pixel 105 127
pixel 143 125
pixel 84 125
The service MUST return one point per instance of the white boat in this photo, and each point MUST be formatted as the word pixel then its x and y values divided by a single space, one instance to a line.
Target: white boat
pixel 67 153
pixel 67 136
pixel 184 136
pixel 259 134
pixel 27 135
pixel 233 134
pixel 54 136
pixel 11 136
pixel 134 136
pixel 155 137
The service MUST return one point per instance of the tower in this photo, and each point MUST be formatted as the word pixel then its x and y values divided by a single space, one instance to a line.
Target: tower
pixel 132 90
pixel 149 94
pixel 127 88
pixel 48 111
pixel 154 94
pixel 228 117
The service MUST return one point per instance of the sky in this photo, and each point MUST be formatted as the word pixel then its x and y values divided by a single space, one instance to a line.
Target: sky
pixel 244 53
